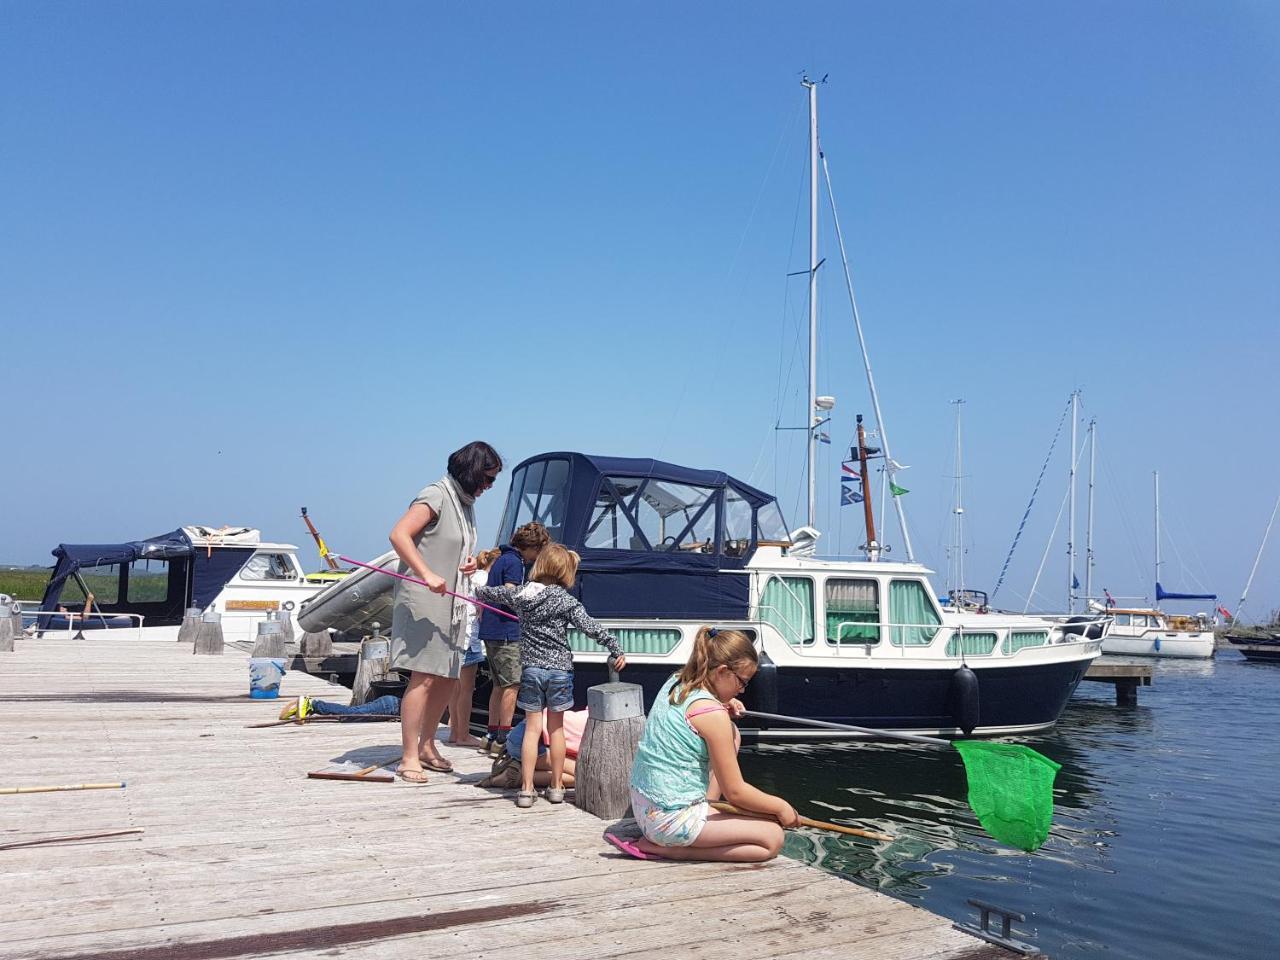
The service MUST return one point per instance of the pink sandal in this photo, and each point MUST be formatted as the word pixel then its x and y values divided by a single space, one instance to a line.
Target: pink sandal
pixel 630 848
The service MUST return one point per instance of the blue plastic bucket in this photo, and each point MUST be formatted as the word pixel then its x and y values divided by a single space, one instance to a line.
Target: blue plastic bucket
pixel 265 674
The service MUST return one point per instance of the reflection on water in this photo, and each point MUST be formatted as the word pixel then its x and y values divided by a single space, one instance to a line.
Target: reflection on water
pixel 1149 837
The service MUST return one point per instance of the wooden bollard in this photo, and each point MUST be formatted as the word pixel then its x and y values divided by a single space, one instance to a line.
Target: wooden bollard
pixel 373 663
pixel 270 640
pixel 317 644
pixel 615 721
pixel 209 636
pixel 190 625
pixel 6 628
pixel 286 625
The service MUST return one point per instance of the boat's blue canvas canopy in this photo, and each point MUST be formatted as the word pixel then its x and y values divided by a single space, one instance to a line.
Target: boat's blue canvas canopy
pixel 1163 594
pixel 196 576
pixel 656 539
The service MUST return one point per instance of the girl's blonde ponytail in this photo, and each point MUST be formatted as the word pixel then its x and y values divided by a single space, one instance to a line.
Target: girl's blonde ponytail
pixel 712 648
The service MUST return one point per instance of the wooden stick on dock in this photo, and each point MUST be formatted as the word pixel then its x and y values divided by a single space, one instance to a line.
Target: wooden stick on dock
pixel 806 822
pixel 76 786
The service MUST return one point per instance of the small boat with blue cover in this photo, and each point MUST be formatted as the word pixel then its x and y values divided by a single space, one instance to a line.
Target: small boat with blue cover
pixel 143 587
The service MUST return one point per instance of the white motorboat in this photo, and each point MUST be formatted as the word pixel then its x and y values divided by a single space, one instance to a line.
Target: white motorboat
pixel 143 587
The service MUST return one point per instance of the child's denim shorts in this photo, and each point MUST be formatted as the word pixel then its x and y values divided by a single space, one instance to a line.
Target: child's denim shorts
pixel 539 688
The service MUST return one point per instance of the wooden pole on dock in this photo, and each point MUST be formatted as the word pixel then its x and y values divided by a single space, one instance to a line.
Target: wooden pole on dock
pixel 209 636
pixel 6 628
pixel 615 721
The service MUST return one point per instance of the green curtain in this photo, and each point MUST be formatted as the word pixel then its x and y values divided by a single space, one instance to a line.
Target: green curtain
pixel 852 611
pixel 657 642
pixel 788 605
pixel 971 644
pixel 909 605
pixel 1018 639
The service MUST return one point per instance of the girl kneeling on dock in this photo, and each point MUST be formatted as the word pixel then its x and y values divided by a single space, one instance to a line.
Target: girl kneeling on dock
pixel 688 755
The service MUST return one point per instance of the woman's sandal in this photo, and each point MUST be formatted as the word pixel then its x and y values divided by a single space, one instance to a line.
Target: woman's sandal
pixel 631 848
pixel 412 776
pixel 439 766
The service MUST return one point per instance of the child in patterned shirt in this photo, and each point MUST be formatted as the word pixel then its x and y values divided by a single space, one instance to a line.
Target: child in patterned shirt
pixel 547 611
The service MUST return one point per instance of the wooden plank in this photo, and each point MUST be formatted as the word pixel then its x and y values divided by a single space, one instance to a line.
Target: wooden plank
pixel 243 854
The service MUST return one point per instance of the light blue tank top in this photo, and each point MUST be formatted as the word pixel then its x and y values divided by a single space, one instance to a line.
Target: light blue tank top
pixel 672 766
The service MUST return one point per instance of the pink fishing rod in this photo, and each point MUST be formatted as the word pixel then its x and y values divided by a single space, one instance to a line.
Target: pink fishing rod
pixel 401 576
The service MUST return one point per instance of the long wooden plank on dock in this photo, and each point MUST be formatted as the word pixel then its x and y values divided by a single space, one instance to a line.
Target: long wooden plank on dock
pixel 241 854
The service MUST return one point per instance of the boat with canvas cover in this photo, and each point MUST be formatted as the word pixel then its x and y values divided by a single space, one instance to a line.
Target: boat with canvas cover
pixel 666 549
pixel 143 587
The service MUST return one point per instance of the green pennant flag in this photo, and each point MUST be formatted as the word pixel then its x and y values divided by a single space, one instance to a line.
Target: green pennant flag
pixel 896 490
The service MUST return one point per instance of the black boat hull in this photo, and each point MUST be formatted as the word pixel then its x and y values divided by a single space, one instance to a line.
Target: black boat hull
pixel 1010 699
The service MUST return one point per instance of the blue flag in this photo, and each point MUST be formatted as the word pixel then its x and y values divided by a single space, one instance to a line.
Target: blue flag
pixel 848 495
pixel 1075 582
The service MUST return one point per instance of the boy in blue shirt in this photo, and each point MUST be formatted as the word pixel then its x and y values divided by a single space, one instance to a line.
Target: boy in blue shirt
pixel 501 637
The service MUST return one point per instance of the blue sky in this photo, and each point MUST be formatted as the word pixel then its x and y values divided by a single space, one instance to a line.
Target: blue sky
pixel 263 255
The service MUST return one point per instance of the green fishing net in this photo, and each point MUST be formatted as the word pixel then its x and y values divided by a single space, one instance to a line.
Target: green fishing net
pixel 1010 790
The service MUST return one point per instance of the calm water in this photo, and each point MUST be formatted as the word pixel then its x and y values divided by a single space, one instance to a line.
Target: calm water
pixel 1166 822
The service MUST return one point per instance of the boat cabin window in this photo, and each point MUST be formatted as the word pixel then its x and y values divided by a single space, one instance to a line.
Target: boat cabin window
pixel 770 525
pixel 971 644
pixel 656 642
pixel 102 581
pixel 539 492
pixel 787 603
pixel 914 618
pixel 148 581
pixel 1017 639
pixel 268 566
pixel 737 524
pixel 635 513
pixel 853 610
pixel 1122 620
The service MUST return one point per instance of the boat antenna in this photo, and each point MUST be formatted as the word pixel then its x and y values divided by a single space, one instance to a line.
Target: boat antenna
pixel 890 465
pixel 813 415
pixel 1258 556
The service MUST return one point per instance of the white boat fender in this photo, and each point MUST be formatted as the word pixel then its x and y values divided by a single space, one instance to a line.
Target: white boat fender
pixel 962 699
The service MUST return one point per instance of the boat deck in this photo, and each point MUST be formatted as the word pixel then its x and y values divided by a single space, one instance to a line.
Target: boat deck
pixel 242 855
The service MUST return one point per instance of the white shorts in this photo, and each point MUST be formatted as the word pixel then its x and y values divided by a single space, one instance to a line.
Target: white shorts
pixel 669 828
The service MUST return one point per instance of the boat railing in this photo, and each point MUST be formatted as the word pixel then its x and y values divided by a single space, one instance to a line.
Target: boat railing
pixel 860 637
pixel 36 617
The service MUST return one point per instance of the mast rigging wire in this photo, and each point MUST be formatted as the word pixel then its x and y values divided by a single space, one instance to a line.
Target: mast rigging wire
pixel 1030 503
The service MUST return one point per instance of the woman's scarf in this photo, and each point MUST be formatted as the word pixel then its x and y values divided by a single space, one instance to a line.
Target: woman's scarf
pixel 458 613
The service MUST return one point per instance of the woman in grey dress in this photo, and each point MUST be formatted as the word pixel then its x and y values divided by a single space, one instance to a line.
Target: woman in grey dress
pixel 436 541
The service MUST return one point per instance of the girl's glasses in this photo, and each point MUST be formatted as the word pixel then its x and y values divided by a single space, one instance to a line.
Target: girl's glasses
pixel 742 684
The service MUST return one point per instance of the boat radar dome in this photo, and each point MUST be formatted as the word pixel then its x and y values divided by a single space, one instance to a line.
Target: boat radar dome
pixel 824 403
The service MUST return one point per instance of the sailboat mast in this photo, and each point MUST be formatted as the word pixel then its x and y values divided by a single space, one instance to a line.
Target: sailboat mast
pixel 814 418
pixel 872 547
pixel 1071 524
pixel 957 561
pixel 1155 474
pixel 1088 537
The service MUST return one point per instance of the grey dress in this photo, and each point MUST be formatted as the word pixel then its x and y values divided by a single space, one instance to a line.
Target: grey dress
pixel 427 629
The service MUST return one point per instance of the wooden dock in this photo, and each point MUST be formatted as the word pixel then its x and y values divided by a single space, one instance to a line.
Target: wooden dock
pixel 243 856
pixel 1126 676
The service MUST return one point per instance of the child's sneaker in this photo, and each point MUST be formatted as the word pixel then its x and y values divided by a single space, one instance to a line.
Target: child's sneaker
pixel 525 800
pixel 554 795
